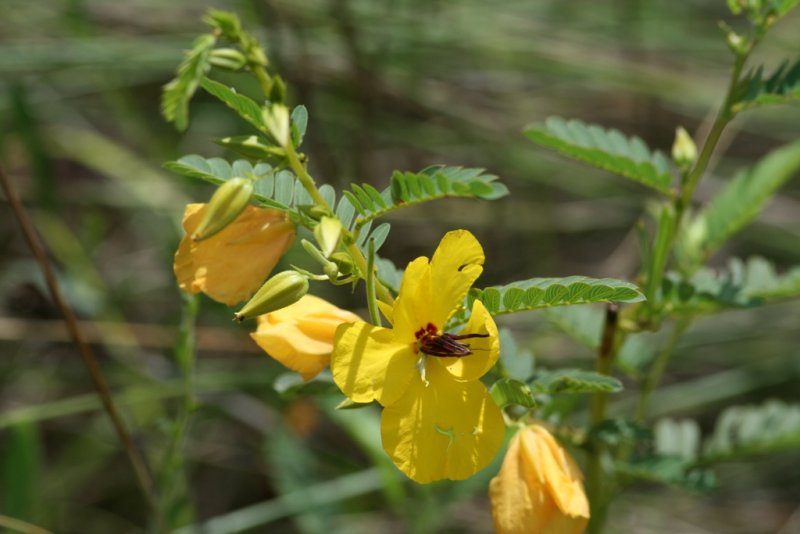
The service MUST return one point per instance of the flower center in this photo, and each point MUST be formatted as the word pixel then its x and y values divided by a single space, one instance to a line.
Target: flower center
pixel 432 343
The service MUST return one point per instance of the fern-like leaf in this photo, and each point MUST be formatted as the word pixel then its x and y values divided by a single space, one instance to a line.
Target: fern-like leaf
pixel 743 431
pixel 177 93
pixel 408 188
pixel 539 293
pixel 738 203
pixel 782 87
pixel 607 149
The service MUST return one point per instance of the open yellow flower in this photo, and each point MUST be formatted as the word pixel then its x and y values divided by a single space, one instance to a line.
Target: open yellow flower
pixel 232 264
pixel 539 488
pixel 439 420
pixel 300 336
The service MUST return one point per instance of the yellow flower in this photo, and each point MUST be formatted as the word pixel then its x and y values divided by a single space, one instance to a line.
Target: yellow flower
pixel 232 264
pixel 300 336
pixel 439 420
pixel 539 488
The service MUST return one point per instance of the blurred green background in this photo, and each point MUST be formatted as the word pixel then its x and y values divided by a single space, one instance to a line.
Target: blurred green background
pixel 389 84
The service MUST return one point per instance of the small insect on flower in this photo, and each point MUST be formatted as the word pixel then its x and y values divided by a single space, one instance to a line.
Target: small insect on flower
pixel 445 345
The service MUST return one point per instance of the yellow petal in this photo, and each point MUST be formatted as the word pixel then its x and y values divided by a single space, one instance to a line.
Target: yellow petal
pixel 484 350
pixel 561 475
pixel 231 265
pixel 300 336
pixel 367 363
pixel 442 428
pixel 456 264
pixel 432 291
pixel 520 502
pixel 538 489
pixel 412 306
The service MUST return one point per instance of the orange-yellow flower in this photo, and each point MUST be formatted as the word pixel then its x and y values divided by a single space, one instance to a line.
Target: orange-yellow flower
pixel 232 264
pixel 300 336
pixel 439 420
pixel 539 488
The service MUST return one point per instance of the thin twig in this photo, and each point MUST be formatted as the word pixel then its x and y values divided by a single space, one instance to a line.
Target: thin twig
pixel 37 247
pixel 18 525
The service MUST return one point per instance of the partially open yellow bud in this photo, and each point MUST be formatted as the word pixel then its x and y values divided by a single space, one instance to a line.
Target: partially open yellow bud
pixel 231 265
pixel 539 488
pixel 283 289
pixel 300 336
pixel 228 201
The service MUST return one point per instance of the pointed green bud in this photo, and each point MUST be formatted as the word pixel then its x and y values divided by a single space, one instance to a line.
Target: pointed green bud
pixel 228 201
pixel 228 58
pixel 276 118
pixel 283 289
pixel 684 151
pixel 328 234
pixel 277 92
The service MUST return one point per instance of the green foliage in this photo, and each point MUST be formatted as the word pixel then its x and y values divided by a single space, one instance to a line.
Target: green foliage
pixel 738 203
pixel 244 106
pixel 517 362
pixel 431 183
pixel 20 470
pixel 742 284
pixel 178 92
pixel 670 470
pixel 607 149
pixel 388 274
pixel 507 391
pixel 537 293
pixel 575 381
pixel 743 431
pixel 781 87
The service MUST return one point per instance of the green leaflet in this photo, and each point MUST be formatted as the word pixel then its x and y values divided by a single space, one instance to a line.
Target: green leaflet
pixel 191 71
pixel 245 107
pixel 781 87
pixel 742 284
pixel 274 190
pixel 409 188
pixel 545 292
pixel 743 431
pixel 575 381
pixel 607 149
pixel 741 200
pixel 507 391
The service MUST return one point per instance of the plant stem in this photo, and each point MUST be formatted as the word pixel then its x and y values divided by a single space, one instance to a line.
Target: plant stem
pixel 374 315
pixel 101 386
pixel 355 252
pixel 657 369
pixel 594 472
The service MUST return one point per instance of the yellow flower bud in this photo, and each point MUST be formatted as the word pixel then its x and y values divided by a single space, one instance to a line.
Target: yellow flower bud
pixel 228 201
pixel 231 265
pixel 300 336
pixel 539 487
pixel 281 290
pixel 684 151
pixel 328 234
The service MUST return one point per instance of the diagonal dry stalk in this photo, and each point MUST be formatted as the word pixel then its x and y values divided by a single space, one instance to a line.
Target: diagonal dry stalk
pixel 101 386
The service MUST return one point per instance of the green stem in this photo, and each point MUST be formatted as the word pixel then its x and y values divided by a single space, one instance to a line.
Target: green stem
pixel 594 471
pixel 724 116
pixel 657 369
pixel 371 302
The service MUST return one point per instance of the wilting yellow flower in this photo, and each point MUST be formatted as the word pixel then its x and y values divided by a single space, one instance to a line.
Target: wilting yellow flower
pixel 300 336
pixel 439 420
pixel 231 265
pixel 539 488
